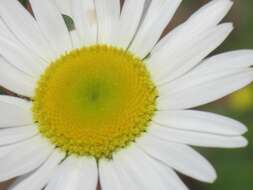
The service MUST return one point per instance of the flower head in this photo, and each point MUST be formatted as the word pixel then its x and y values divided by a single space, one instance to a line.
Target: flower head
pixel 106 101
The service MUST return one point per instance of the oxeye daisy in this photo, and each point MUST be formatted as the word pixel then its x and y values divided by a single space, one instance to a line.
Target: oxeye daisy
pixel 106 101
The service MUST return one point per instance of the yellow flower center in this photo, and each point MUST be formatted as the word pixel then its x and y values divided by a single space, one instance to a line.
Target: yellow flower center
pixel 94 101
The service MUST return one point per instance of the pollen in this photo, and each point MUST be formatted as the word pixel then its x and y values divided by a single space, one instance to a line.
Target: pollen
pixel 94 101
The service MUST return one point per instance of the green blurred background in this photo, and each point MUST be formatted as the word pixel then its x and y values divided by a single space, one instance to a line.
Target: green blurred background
pixel 234 167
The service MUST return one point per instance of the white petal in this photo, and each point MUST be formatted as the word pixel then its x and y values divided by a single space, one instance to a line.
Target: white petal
pixel 7 149
pixel 108 13
pixel 24 157
pixel 205 18
pixel 9 39
pixel 210 14
pixel 14 112
pixel 21 58
pixel 108 176
pixel 197 89
pixel 123 177
pixel 157 18
pixel 52 25
pixel 85 18
pixel 146 173
pixel 199 121
pixel 130 18
pixel 40 177
pixel 6 33
pixel 14 135
pixel 64 6
pixel 233 59
pixel 181 157
pixel 177 59
pixel 16 80
pixel 75 173
pixel 76 42
pixel 28 32
pixel 197 138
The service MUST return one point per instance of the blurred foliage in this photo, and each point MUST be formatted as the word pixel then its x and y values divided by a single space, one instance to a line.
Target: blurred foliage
pixel 24 2
pixel 242 101
pixel 234 167
pixel 69 22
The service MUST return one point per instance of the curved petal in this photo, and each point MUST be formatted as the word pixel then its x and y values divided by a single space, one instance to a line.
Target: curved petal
pixel 84 15
pixel 7 34
pixel 108 13
pixel 179 58
pixel 14 112
pixel 76 42
pixel 145 173
pixel 16 80
pixel 108 176
pixel 180 157
pixel 21 58
pixel 197 138
pixel 123 177
pixel 205 18
pixel 28 32
pixel 72 173
pixel 8 39
pixel 24 157
pixel 129 22
pixel 4 31
pixel 233 59
pixel 40 177
pixel 52 25
pixel 199 88
pixel 159 14
pixel 14 135
pixel 65 7
pixel 200 122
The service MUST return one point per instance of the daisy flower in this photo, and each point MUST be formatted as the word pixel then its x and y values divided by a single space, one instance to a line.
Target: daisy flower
pixel 106 101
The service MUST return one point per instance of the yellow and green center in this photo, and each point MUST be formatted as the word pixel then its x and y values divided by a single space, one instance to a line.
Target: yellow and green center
pixel 94 101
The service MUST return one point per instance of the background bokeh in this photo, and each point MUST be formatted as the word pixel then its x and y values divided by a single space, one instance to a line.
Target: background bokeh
pixel 234 167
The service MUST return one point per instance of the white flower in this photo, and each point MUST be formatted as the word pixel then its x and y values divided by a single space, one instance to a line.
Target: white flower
pixel 89 111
